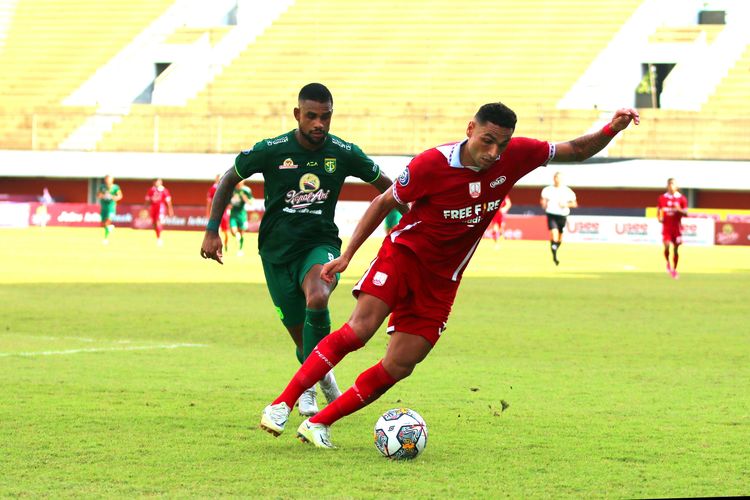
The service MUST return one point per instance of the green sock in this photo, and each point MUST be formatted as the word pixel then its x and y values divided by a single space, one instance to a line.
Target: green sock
pixel 242 241
pixel 317 326
pixel 106 232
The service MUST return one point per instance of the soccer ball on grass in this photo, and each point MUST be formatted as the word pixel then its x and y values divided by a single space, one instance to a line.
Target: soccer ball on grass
pixel 400 434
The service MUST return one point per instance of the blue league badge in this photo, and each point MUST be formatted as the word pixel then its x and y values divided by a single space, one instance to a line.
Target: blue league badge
pixel 403 179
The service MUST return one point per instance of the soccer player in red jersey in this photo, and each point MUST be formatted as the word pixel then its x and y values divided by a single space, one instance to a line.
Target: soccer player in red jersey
pixel 454 191
pixel 497 226
pixel 224 226
pixel 671 209
pixel 158 198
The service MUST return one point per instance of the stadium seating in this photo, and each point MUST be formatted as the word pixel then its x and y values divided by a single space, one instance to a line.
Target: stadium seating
pixel 437 63
pixel 401 84
pixel 51 48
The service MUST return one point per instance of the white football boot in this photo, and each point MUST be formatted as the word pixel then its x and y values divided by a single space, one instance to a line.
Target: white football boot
pixel 274 418
pixel 308 405
pixel 317 434
pixel 329 387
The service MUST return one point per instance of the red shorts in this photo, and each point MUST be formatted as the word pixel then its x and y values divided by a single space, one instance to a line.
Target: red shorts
pixel 156 213
pixel 498 218
pixel 672 234
pixel 420 301
pixel 225 221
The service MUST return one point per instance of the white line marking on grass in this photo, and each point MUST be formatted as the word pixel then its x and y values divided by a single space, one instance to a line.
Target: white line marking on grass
pixel 99 349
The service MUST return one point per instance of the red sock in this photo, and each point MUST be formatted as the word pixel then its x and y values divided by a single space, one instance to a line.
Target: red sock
pixel 325 356
pixel 369 386
pixel 675 258
pixel 158 231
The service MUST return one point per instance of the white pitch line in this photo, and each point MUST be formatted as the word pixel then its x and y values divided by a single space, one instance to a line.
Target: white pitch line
pixel 99 349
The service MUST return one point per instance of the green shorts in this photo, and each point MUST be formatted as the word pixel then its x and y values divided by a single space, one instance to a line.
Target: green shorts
pixel 108 213
pixel 238 220
pixel 284 282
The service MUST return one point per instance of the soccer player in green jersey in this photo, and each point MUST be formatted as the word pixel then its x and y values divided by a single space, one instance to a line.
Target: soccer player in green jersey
pixel 303 171
pixel 241 196
pixel 108 195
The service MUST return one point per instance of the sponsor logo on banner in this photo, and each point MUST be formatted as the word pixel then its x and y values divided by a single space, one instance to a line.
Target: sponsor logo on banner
pixel 329 165
pixel 475 189
pixel 288 164
pixel 500 180
pixel 379 279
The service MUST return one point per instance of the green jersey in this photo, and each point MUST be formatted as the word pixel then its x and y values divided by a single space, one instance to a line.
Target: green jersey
pixel 237 203
pixel 108 200
pixel 301 191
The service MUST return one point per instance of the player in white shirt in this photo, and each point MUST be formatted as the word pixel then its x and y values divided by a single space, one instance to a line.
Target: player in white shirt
pixel 557 200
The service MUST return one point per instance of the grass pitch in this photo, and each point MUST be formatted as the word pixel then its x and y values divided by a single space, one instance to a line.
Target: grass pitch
pixel 135 370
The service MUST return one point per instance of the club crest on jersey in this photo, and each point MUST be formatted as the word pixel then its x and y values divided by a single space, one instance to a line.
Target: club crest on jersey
pixel 379 279
pixel 288 164
pixel 497 181
pixel 475 189
pixel 309 183
pixel 329 165
pixel 403 179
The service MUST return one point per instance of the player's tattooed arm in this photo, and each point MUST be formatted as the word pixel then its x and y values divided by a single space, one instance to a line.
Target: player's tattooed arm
pixel 211 247
pixel 586 146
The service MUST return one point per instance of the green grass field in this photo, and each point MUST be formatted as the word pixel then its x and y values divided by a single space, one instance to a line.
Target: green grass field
pixel 131 370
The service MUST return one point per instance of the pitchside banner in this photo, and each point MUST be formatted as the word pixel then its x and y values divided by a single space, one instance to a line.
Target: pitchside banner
pixel 601 229
pixel 732 233
pixel 135 216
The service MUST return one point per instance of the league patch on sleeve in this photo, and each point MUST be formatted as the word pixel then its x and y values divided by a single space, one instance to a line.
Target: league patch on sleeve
pixel 403 179
pixel 247 151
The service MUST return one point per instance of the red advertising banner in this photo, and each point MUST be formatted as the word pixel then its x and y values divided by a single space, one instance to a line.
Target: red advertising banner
pixel 71 214
pixel 523 227
pixel 186 218
pixel 135 216
pixel 732 233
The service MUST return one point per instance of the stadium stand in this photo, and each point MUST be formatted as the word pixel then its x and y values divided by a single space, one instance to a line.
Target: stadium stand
pixel 51 48
pixel 437 63
pixel 399 86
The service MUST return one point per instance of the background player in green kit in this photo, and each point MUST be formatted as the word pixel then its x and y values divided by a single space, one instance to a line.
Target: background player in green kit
pixel 303 172
pixel 241 196
pixel 108 195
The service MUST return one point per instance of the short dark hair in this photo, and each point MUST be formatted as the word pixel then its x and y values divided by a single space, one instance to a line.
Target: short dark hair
pixel 497 113
pixel 315 92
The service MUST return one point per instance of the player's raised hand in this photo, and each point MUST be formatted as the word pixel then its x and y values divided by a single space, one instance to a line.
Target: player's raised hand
pixel 623 117
pixel 337 265
pixel 211 247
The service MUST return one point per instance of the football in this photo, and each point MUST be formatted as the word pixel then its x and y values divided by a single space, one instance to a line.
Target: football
pixel 400 434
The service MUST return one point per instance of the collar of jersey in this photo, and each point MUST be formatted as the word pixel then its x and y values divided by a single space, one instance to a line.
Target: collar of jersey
pixel 454 158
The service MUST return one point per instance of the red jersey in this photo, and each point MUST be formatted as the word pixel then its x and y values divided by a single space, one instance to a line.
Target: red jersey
pixel 212 191
pixel 499 214
pixel 668 204
pixel 158 197
pixel 452 205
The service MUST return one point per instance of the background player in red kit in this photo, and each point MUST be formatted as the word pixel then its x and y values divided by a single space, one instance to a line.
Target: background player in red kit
pixel 224 226
pixel 454 191
pixel 158 198
pixel 497 226
pixel 671 209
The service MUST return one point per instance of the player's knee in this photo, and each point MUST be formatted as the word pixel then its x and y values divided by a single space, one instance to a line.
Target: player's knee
pixel 317 299
pixel 398 369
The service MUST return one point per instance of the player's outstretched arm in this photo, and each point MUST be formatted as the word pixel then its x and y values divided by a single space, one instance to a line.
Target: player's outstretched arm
pixel 373 217
pixel 383 184
pixel 586 146
pixel 211 247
